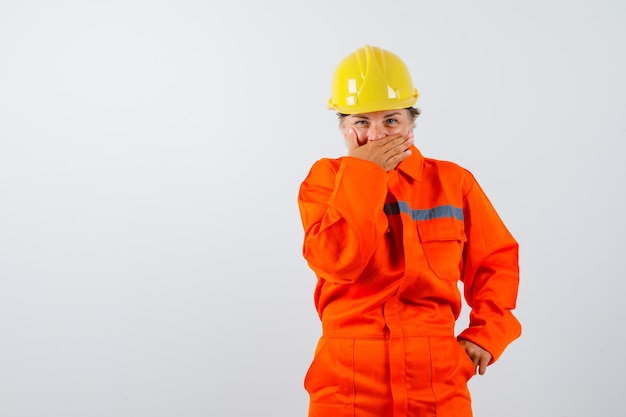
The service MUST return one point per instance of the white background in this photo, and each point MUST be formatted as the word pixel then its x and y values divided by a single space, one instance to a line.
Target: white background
pixel 150 158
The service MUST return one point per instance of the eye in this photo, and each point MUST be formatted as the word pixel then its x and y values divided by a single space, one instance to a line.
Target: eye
pixel 361 122
pixel 392 121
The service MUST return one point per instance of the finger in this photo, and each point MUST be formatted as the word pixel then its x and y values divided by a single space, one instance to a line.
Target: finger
pixel 392 140
pixel 482 365
pixel 393 145
pixel 352 139
pixel 402 146
pixel 398 157
pixel 404 142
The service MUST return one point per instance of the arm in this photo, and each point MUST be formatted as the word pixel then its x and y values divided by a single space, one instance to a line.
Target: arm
pixel 341 207
pixel 490 277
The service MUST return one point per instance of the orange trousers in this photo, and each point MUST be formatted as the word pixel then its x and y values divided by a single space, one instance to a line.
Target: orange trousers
pixel 400 377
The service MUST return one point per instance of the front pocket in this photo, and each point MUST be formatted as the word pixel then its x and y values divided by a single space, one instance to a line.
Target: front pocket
pixel 443 241
pixel 330 377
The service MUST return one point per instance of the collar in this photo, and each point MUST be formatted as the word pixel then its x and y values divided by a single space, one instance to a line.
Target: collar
pixel 412 166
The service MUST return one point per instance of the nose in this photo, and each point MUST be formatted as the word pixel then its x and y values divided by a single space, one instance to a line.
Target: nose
pixel 376 132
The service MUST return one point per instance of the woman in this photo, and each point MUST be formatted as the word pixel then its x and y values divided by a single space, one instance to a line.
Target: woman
pixel 389 234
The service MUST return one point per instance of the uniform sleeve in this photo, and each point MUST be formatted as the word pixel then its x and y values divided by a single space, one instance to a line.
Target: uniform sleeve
pixel 341 207
pixel 490 275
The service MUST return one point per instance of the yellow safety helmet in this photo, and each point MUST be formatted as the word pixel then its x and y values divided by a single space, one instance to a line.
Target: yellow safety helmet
pixel 371 79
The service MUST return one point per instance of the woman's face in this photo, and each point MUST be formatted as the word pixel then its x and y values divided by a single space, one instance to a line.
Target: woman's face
pixel 376 125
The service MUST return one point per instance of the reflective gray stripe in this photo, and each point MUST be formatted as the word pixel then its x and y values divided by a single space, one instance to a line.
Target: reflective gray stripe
pixel 426 214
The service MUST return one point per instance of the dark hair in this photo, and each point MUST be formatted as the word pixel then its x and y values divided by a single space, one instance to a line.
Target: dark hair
pixel 414 112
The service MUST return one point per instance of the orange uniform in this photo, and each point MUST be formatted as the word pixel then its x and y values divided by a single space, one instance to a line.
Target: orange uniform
pixel 388 249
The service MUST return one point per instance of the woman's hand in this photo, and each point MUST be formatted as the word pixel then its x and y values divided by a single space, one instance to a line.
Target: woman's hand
pixel 387 152
pixel 479 356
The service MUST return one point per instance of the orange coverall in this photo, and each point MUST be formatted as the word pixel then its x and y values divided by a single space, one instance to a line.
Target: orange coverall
pixel 388 250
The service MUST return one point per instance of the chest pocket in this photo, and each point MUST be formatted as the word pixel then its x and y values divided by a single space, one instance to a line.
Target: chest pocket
pixel 443 241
